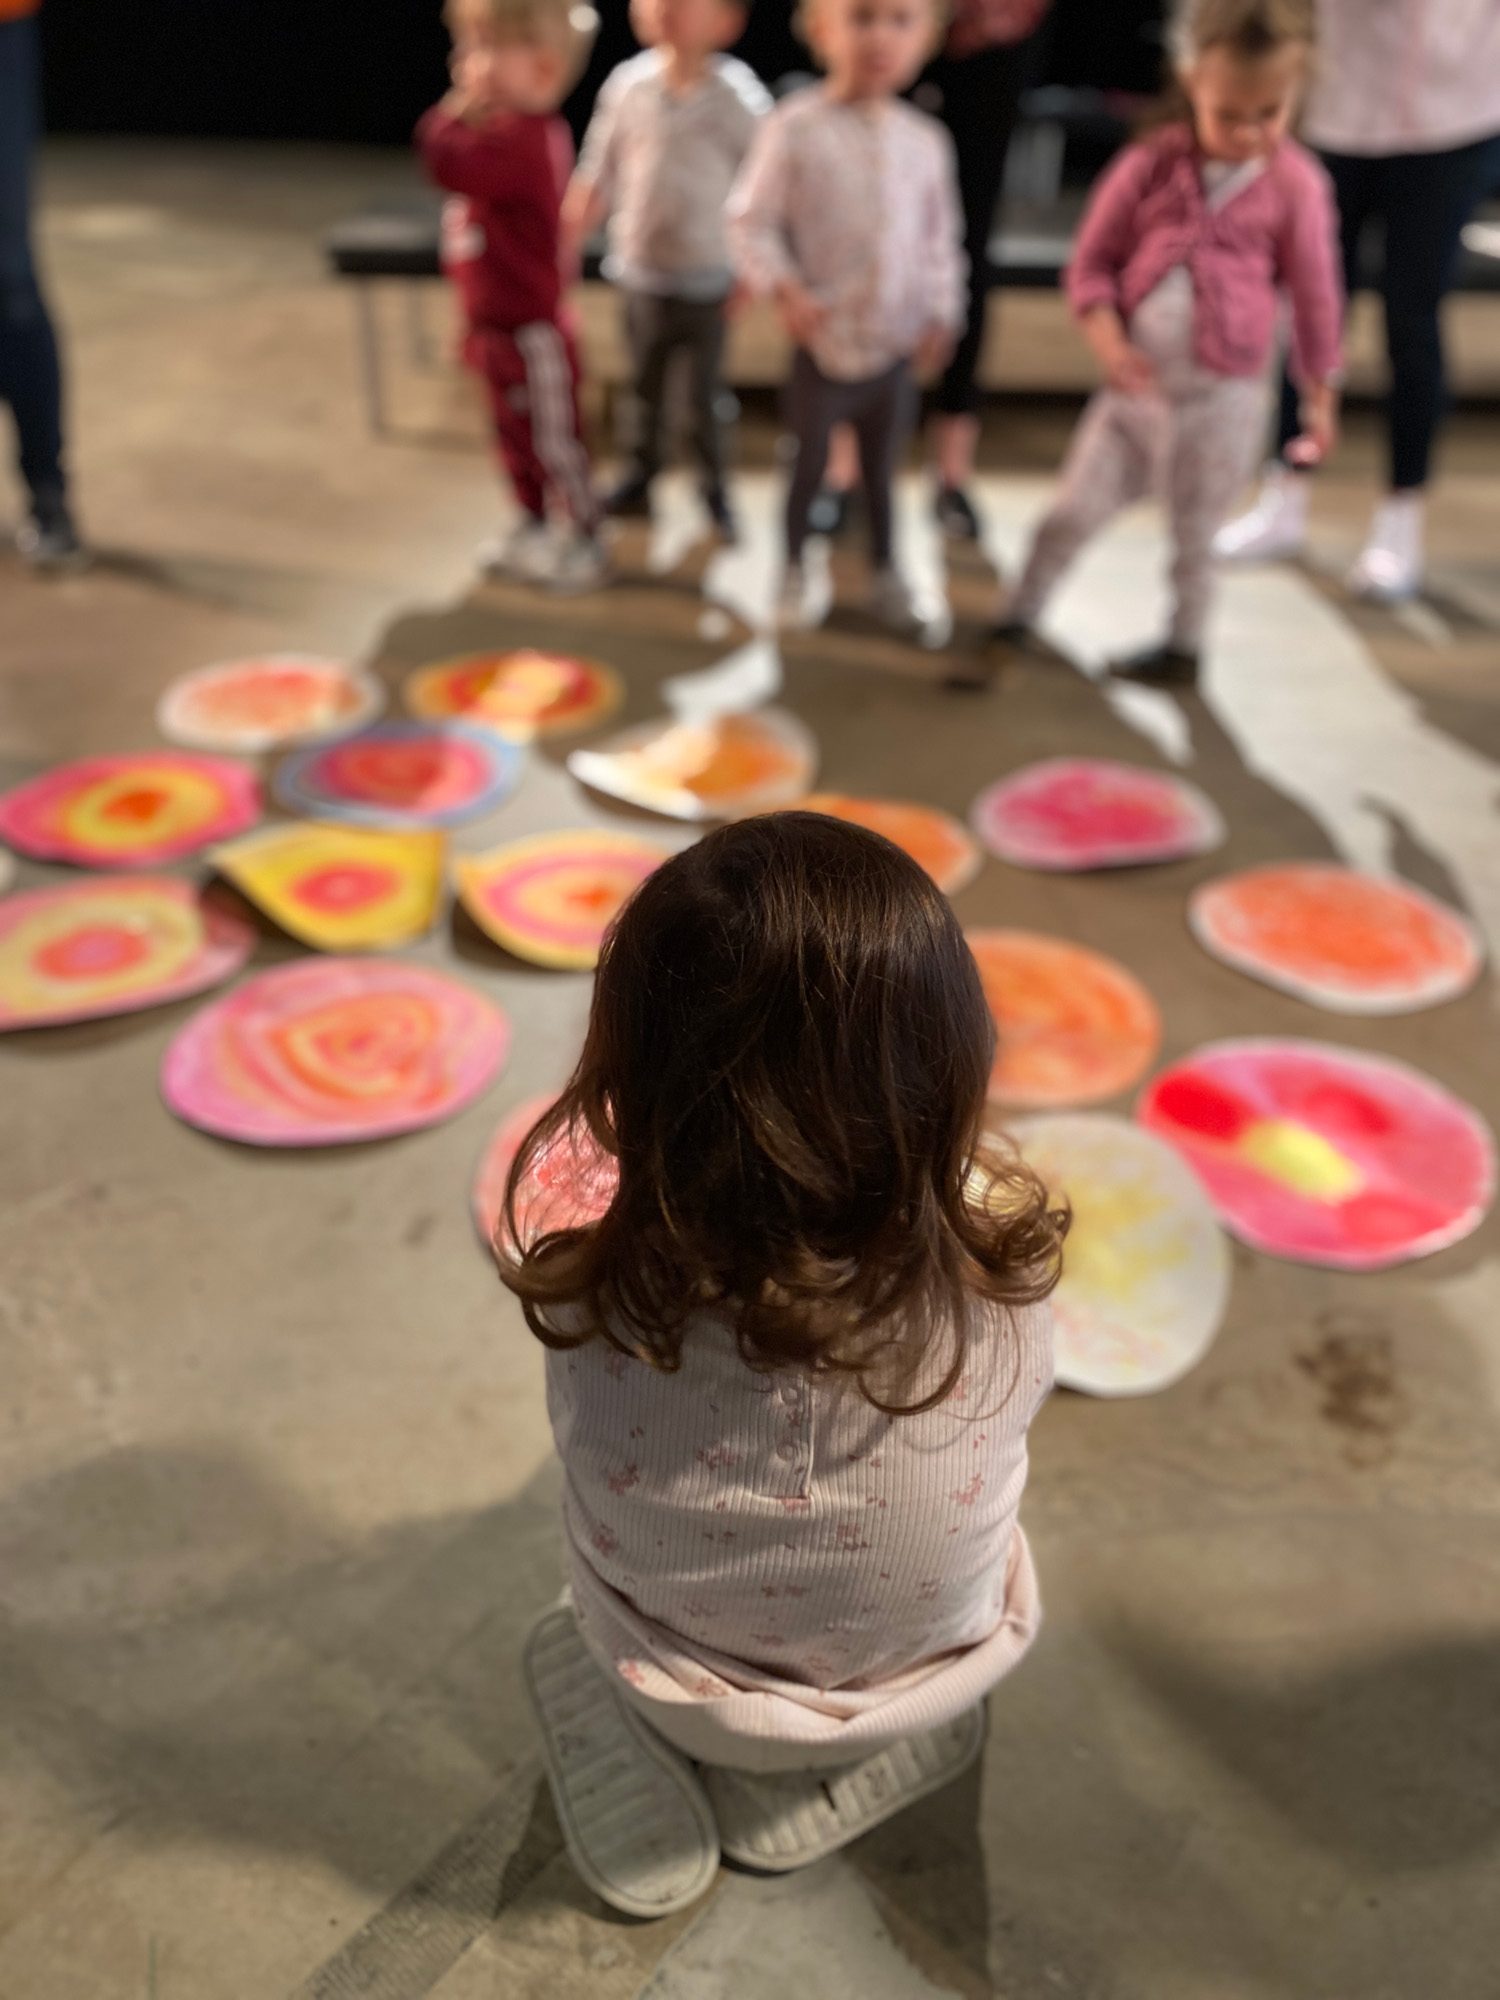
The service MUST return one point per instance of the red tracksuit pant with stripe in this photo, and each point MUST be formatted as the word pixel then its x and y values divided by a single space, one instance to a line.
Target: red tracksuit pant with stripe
pixel 531 373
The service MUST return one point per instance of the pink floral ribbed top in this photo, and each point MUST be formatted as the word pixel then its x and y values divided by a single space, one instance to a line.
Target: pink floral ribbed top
pixel 781 1551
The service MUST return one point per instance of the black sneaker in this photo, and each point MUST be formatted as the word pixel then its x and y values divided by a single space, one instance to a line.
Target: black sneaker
pixel 954 513
pixel 722 515
pixel 1158 666
pixel 631 499
pixel 49 539
pixel 829 513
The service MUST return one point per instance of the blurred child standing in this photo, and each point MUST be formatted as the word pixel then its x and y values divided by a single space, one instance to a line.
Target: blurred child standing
pixel 669 132
pixel 496 144
pixel 1175 278
pixel 847 215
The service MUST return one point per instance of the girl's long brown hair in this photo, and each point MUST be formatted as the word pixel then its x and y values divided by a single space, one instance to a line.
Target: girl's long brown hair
pixel 787 1057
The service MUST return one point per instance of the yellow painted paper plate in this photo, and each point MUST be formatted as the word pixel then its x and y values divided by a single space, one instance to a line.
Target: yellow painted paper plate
pixel 551 898
pixel 340 888
pixel 523 693
pixel 722 769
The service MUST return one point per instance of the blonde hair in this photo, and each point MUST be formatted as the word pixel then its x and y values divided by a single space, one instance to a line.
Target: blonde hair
pixel 806 12
pixel 567 27
pixel 1249 29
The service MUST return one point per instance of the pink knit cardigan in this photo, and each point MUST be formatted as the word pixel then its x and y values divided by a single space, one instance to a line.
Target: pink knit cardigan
pixel 1149 214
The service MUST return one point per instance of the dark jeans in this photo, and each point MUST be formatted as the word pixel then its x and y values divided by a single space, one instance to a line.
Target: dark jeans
pixel 881 409
pixel 979 98
pixel 657 328
pixel 1421 202
pixel 30 380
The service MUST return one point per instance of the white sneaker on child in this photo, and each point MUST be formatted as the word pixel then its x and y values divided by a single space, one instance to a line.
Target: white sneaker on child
pixel 776 1821
pixel 1275 526
pixel 580 562
pixel 525 554
pixel 1388 569
pixel 638 1825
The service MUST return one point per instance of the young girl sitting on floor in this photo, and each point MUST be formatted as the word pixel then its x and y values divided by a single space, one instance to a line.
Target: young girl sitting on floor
pixel 1175 278
pixel 846 213
pixel 790 1367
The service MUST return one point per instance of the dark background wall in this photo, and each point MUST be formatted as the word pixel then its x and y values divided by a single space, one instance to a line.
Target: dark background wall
pixel 329 69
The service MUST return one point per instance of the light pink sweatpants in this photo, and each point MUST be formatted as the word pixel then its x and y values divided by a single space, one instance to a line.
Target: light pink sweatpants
pixel 1194 442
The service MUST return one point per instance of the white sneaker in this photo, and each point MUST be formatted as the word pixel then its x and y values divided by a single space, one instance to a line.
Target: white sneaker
pixel 1275 526
pixel 1388 569
pixel 579 562
pixel 525 554
pixel 792 613
pixel 888 599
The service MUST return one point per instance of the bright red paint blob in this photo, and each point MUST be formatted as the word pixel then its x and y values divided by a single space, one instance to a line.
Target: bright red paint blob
pixel 136 807
pixel 1199 1106
pixel 93 951
pixel 341 886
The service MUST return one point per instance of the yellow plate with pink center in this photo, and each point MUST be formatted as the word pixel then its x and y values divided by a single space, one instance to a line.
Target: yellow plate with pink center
pixel 340 888
pixel 523 693
pixel 551 898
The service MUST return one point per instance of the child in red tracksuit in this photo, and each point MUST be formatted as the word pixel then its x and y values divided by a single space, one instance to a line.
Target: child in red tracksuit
pixel 496 143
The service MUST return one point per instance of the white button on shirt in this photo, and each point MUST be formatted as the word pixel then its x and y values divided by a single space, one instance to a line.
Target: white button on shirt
pixel 858 203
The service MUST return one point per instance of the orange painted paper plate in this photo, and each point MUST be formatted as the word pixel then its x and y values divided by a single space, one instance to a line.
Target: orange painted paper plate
pixel 268 703
pixel 340 888
pixel 1355 944
pixel 1073 1026
pixel 552 897
pixel 79 950
pixel 933 839
pixel 526 693
pixel 570 1185
pixel 130 811
pixel 722 769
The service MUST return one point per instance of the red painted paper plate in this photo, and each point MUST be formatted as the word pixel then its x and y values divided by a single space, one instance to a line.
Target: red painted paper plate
pixel 572 1184
pixel 406 775
pixel 551 898
pixel 79 950
pixel 130 811
pixel 1326 1155
pixel 1072 1026
pixel 1356 944
pixel 325 1051
pixel 1089 812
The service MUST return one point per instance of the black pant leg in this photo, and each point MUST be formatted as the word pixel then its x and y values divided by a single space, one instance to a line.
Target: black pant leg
pixel 883 422
pixel 703 331
pixel 813 405
pixel 30 374
pixel 650 335
pixel 1356 191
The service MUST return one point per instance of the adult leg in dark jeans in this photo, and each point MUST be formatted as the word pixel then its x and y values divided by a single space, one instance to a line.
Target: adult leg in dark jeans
pixel 30 377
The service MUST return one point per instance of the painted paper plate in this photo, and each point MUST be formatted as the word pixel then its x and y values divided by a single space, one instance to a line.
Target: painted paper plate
pixel 570 1185
pixel 1088 812
pixel 722 769
pixel 340 888
pixel 522 693
pixel 325 1051
pixel 262 704
pixel 1326 1155
pixel 1146 1270
pixel 130 811
pixel 80 950
pixel 1073 1027
pixel 1356 944
pixel 933 839
pixel 403 774
pixel 551 898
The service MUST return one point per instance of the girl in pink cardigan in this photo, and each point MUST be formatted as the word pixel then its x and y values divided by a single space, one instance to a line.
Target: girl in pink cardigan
pixel 796 1329
pixel 1187 244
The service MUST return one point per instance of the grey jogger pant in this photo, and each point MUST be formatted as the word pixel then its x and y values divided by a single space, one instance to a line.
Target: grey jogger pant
pixel 882 410
pixel 656 329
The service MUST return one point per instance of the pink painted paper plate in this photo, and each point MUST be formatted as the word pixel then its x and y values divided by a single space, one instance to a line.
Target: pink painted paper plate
pixel 406 775
pixel 326 1051
pixel 1146 1275
pixel 572 1183
pixel 131 811
pixel 77 951
pixel 1072 813
pixel 552 897
pixel 934 840
pixel 1325 1155
pixel 1355 944
pixel 268 703
pixel 1072 1026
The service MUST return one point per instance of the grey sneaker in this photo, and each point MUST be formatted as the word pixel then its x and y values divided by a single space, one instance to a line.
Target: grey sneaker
pixel 49 540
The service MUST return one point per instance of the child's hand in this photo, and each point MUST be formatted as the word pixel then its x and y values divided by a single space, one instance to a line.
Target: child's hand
pixel 801 314
pixel 933 351
pixel 1320 425
pixel 1125 367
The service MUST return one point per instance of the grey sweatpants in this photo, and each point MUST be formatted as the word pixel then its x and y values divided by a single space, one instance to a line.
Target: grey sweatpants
pixel 882 409
pixel 657 329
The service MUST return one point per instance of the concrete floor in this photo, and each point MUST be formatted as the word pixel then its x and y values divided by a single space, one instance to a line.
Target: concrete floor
pixel 277 1501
